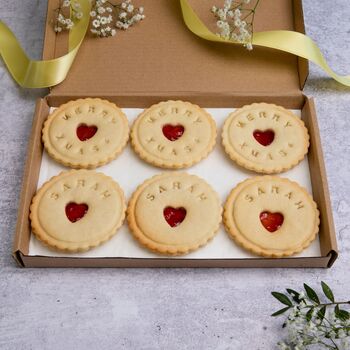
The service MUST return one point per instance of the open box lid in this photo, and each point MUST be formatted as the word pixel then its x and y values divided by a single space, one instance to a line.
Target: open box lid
pixel 160 58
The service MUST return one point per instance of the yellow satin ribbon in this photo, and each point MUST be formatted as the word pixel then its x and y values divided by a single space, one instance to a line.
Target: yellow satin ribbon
pixel 288 41
pixel 39 74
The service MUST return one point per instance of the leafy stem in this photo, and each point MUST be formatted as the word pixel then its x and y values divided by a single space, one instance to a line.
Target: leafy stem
pixel 253 17
pixel 335 303
pixel 312 320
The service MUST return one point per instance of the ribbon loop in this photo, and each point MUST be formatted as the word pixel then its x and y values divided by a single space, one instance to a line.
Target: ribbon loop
pixel 39 74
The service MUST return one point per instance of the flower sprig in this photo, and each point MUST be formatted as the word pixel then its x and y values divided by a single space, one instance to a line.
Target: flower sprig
pixel 64 22
pixel 312 324
pixel 236 21
pixel 106 16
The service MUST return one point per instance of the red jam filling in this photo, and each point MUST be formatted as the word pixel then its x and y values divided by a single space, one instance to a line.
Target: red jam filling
pixel 76 211
pixel 173 132
pixel 85 132
pixel 265 138
pixel 271 221
pixel 174 216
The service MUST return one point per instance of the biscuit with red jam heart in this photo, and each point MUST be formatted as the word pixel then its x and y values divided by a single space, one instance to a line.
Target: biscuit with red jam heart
pixel 265 138
pixel 271 216
pixel 173 134
pixel 77 210
pixel 86 133
pixel 174 213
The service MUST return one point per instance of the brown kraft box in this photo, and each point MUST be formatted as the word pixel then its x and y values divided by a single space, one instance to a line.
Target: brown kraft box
pixel 160 59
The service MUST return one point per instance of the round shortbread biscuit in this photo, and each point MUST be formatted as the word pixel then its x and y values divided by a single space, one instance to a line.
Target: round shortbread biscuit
pixel 86 133
pixel 173 134
pixel 271 216
pixel 174 213
pixel 77 210
pixel 265 138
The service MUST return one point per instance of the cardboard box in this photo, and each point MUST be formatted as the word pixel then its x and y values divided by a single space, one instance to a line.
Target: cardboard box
pixel 160 59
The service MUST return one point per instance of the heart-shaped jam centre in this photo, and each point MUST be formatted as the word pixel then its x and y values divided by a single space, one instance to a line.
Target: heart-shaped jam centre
pixel 174 216
pixel 85 132
pixel 271 221
pixel 76 211
pixel 173 132
pixel 265 138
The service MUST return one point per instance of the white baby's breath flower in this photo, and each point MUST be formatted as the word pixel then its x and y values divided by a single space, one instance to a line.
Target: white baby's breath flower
pixel 69 23
pixel 101 10
pixel 76 5
pixel 137 17
pixel 220 24
pixel 237 22
pixel 93 13
pixel 66 3
pixel 113 32
pixel 302 296
pixel 222 14
pixel 96 23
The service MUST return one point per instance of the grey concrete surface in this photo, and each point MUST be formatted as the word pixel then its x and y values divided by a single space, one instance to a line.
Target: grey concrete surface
pixel 170 308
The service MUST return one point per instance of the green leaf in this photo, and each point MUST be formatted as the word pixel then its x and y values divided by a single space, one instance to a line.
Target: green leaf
pixel 282 298
pixel 295 295
pixel 279 312
pixel 327 291
pixel 311 294
pixel 309 314
pixel 321 313
pixel 342 315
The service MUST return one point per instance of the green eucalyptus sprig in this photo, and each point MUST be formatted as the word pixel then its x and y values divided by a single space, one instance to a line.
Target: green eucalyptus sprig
pixel 312 323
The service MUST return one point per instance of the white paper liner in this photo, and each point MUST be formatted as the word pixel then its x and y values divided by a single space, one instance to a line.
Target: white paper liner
pixel 130 171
